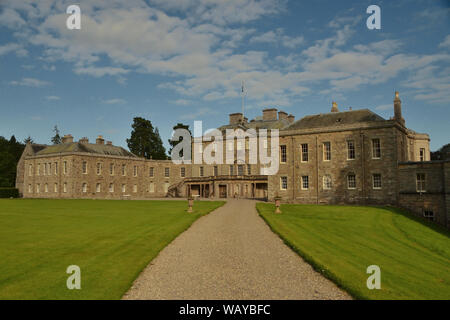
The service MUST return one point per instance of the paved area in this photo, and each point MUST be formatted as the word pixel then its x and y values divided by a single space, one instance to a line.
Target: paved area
pixel 231 254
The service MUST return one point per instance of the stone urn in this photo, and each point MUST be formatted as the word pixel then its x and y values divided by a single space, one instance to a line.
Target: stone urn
pixel 277 204
pixel 190 204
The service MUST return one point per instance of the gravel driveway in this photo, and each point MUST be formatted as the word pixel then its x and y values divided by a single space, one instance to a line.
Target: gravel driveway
pixel 231 254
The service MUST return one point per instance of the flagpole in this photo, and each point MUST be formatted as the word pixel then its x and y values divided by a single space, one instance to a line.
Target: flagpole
pixel 243 93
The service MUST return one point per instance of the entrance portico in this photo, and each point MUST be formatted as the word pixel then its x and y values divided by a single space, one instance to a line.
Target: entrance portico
pixel 250 187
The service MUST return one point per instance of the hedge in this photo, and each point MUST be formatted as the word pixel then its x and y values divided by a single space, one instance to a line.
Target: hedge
pixel 9 193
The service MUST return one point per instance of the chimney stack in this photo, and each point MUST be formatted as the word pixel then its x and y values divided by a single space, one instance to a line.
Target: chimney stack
pixel 398 109
pixel 291 118
pixel 100 140
pixel 67 138
pixel 282 115
pixel 334 107
pixel 236 118
pixel 109 143
pixel 84 140
pixel 270 114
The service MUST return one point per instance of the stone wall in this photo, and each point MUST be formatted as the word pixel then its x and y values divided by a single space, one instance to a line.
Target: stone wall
pixel 435 198
pixel 136 186
pixel 339 167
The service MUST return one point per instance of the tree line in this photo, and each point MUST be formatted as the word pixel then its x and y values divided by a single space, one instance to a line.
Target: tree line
pixel 145 141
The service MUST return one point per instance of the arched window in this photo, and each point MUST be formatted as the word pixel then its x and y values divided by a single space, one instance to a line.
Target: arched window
pixel 351 181
pixel 327 182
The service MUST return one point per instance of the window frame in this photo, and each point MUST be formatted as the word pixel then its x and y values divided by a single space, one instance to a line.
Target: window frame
pixel 428 214
pixel 240 170
pixel 283 153
pixel 374 180
pixel 326 151
pixel 327 182
pixel 304 150
pixel 348 181
pixel 283 182
pixel 376 148
pixel 351 151
pixel 422 154
pixel 421 183
pixel 304 180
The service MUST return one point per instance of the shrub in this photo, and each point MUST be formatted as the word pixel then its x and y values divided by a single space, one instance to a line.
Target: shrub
pixel 9 193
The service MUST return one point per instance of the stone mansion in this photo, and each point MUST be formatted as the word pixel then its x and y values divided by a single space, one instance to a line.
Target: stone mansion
pixel 340 157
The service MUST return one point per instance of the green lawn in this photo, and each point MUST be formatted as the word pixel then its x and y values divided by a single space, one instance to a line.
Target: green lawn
pixel 342 241
pixel 111 241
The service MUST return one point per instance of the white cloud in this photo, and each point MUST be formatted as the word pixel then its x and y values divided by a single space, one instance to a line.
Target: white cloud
pixel 278 36
pixel 445 43
pixel 52 98
pixel 30 82
pixel 201 48
pixel 182 102
pixel 114 101
pixel 100 71
pixel 222 12
pixel 13 47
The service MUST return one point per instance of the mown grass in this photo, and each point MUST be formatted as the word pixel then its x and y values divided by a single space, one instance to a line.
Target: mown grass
pixel 111 241
pixel 342 241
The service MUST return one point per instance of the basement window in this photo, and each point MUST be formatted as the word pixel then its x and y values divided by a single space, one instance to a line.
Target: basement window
pixel 428 214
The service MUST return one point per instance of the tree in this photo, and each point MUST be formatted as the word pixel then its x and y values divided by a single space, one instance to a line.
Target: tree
pixel 174 143
pixel 443 153
pixel 56 138
pixel 10 153
pixel 145 141
pixel 159 150
pixel 28 140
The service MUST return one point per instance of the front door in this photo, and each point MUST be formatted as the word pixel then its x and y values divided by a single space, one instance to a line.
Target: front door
pixel 222 191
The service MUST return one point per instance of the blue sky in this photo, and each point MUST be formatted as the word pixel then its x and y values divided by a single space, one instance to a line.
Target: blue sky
pixel 183 60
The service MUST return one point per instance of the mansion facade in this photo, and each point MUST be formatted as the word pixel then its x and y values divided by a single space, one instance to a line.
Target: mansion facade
pixel 339 157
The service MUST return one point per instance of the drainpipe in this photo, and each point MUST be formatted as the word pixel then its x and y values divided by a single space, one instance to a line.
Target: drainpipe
pixel 293 168
pixel 317 171
pixel 363 168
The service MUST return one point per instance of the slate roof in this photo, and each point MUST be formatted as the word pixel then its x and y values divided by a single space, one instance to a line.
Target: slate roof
pixel 335 119
pixel 38 147
pixel 78 147
pixel 258 124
